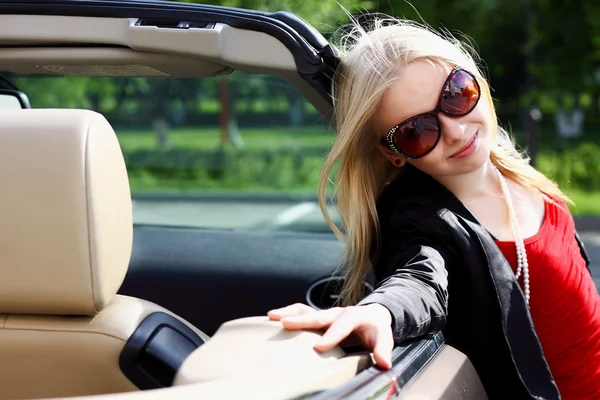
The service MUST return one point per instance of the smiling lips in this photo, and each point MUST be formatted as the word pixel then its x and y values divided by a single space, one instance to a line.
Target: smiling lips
pixel 469 148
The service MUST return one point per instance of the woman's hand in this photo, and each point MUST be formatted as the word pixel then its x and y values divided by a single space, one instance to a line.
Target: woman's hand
pixel 371 323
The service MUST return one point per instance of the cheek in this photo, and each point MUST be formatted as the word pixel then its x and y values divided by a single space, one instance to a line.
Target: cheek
pixel 430 164
pixel 482 115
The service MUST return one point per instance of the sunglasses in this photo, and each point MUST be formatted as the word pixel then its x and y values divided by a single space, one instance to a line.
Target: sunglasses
pixel 417 136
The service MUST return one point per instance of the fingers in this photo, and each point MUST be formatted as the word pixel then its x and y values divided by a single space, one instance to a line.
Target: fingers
pixel 382 350
pixel 295 309
pixel 312 320
pixel 338 331
pixel 371 323
pixel 373 328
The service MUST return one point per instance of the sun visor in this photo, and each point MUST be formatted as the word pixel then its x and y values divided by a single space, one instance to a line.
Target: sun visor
pixel 109 62
pixel 134 47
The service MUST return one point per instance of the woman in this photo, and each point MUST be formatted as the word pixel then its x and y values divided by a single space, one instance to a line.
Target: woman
pixel 463 234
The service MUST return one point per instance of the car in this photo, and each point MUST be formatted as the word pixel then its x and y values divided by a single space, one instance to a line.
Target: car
pixel 114 290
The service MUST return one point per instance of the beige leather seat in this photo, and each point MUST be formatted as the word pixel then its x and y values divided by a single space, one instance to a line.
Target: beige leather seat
pixel 65 242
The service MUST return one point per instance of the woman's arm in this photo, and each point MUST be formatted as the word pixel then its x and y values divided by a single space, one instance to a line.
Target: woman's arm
pixel 410 302
pixel 410 299
pixel 416 293
pixel 411 267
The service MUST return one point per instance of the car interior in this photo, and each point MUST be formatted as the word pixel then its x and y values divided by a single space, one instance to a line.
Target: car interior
pixel 95 306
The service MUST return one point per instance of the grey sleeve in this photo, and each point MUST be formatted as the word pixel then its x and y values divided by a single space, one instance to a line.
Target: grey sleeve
pixel 416 292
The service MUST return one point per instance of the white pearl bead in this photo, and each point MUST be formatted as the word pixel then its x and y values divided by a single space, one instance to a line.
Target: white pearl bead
pixel 522 263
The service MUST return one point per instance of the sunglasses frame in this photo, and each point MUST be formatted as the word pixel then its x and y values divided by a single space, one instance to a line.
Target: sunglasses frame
pixel 389 139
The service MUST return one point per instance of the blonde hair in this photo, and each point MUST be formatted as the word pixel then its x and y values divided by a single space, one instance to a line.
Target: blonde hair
pixel 370 61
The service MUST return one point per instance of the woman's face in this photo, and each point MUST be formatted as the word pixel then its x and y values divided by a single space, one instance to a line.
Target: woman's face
pixel 465 142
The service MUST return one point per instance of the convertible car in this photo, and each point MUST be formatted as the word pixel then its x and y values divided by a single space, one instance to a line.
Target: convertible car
pixel 102 297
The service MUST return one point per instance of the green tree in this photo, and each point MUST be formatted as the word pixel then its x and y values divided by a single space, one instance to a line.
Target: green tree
pixel 324 15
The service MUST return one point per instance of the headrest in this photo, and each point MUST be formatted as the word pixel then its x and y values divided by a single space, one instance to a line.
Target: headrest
pixel 65 212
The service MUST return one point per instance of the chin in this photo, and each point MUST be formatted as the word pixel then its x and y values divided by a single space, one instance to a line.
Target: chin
pixel 477 159
pixel 467 165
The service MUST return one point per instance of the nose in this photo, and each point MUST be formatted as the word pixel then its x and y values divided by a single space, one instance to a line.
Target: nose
pixel 453 129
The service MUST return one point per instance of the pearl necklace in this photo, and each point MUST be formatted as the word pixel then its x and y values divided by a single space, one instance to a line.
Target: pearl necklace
pixel 522 264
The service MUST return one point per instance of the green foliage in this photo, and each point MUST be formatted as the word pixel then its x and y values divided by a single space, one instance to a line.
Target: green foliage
pixel 69 92
pixel 272 159
pixel 574 168
pixel 325 15
pixel 225 169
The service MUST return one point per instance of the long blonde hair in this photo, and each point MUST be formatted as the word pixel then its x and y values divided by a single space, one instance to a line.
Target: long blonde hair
pixel 371 59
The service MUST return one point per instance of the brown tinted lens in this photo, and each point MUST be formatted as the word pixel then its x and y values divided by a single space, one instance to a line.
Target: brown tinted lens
pixel 418 136
pixel 460 94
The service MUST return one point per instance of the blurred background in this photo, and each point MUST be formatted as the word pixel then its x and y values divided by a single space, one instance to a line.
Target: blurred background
pixel 244 137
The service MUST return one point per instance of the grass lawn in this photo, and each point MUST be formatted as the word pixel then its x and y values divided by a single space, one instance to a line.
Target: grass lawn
pixel 206 139
pixel 587 203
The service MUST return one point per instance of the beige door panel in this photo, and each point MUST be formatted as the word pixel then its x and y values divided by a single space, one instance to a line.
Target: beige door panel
pixel 253 358
pixel 449 376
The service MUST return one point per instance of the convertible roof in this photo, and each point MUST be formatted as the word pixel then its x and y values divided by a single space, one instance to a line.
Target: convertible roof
pixel 161 38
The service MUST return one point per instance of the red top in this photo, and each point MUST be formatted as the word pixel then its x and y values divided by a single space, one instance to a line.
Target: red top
pixel 564 304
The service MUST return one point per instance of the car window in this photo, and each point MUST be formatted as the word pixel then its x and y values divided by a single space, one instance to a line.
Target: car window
pixel 238 152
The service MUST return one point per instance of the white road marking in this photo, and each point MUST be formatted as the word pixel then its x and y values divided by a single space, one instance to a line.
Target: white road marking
pixel 294 213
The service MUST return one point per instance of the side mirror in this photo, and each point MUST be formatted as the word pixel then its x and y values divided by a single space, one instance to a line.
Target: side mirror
pixel 13 99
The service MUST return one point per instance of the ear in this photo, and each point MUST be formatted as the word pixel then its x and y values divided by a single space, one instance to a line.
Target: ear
pixel 395 158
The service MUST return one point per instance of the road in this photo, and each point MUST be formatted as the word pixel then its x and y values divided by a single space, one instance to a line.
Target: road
pixel 592 245
pixel 271 215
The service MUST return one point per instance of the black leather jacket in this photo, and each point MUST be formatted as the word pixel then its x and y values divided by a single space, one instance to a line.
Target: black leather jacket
pixel 437 268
